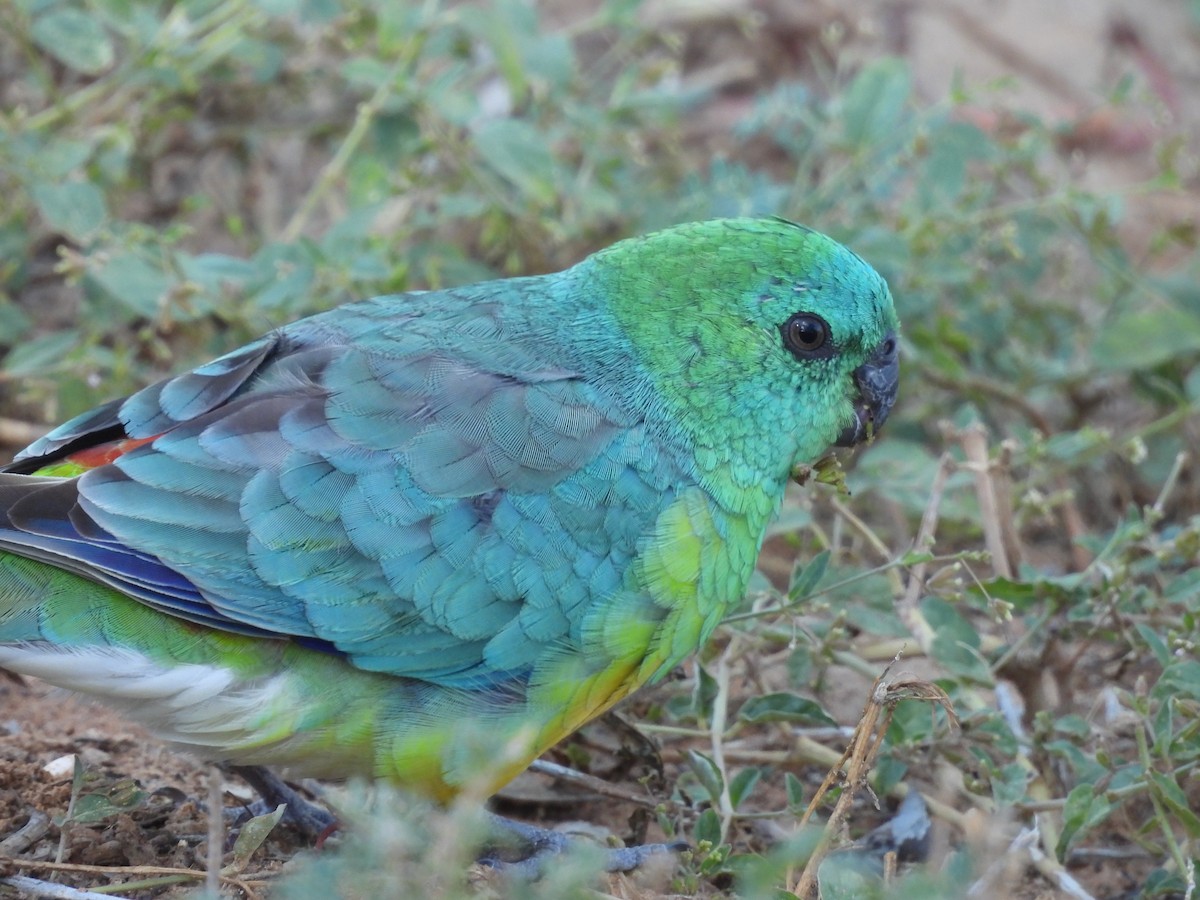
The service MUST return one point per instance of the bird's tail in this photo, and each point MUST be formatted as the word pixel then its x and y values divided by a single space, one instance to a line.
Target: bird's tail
pixel 167 673
pixel 25 586
pixel 19 584
pixel 32 592
pixel 48 621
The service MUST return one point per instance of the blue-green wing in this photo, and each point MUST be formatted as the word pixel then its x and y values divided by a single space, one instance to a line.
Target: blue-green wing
pixel 422 499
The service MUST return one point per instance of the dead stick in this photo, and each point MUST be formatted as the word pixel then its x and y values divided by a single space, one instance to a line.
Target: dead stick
pixel 907 607
pixel 973 440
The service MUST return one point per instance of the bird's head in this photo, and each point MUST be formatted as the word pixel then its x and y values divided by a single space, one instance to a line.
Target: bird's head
pixel 764 338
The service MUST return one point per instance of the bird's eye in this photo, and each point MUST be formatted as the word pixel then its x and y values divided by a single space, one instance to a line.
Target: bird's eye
pixel 805 334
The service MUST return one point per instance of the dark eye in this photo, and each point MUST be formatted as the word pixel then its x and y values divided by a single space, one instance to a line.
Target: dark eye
pixel 805 334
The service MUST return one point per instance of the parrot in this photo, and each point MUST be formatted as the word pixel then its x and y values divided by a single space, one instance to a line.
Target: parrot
pixel 423 537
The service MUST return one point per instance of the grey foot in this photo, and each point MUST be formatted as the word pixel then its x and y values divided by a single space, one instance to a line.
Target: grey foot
pixel 542 845
pixel 313 821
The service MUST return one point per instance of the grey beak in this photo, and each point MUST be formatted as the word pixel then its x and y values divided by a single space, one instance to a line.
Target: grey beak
pixel 876 380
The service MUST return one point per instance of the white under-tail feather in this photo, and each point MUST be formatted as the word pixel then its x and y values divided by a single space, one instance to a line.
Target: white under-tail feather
pixel 196 706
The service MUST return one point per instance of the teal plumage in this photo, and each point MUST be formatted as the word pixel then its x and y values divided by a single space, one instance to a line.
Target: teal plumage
pixel 509 504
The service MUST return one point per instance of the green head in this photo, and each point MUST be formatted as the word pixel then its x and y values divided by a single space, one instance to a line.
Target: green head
pixel 767 341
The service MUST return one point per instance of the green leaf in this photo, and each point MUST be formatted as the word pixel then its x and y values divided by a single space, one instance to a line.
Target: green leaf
pixel 1174 797
pixel 290 289
pixel 1191 384
pixel 1009 783
pixel 848 876
pixel 1074 726
pixel 133 283
pixel 1181 677
pixel 1185 589
pixel 889 772
pixel 75 208
pixel 550 57
pixel 783 706
pixel 708 828
pixel 520 154
pixel 1161 654
pixel 742 784
pixel 1145 338
pixel 279 7
pixel 1083 811
pixel 956 642
pixel 367 71
pixel 708 774
pixel 1021 594
pixel 1161 883
pixel 795 793
pixel 13 322
pixel 113 799
pixel 1162 722
pixel 704 693
pixel 952 148
pixel 75 39
pixel 95 797
pixel 214 270
pixel 41 355
pixel 802 666
pixel 61 157
pixel 253 833
pixel 806 578
pixel 263 58
pixel 875 101
pixel 1084 766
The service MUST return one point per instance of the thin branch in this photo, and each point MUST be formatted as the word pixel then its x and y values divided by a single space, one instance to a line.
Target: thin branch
pixel 27 835
pixel 973 440
pixel 216 830
pixel 39 888
pixel 907 607
pixel 858 759
pixel 594 784
pixel 720 715
pixel 336 167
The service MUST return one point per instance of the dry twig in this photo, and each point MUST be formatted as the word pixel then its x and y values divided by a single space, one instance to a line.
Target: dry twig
pixel 597 785
pixel 176 875
pixel 858 759
pixel 973 440
pixel 907 608
pixel 27 835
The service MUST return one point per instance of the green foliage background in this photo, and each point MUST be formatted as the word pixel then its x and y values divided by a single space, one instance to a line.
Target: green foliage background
pixel 176 178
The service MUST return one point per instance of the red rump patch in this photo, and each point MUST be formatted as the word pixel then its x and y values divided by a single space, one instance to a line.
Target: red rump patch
pixel 102 455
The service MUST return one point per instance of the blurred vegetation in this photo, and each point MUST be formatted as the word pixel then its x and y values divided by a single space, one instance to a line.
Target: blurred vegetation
pixel 179 177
